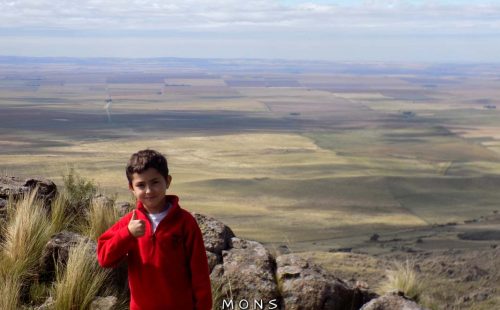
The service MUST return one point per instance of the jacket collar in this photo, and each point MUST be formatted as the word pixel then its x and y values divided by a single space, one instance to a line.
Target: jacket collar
pixel 174 205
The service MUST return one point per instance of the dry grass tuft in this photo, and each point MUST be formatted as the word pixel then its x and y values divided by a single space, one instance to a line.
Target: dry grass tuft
pixel 10 290
pixel 83 278
pixel 100 217
pixel 26 233
pixel 404 278
pixel 60 218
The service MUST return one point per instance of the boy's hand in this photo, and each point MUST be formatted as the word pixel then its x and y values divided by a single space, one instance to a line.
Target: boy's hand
pixel 136 227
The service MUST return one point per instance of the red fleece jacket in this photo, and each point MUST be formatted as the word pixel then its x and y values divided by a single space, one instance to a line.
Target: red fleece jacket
pixel 167 269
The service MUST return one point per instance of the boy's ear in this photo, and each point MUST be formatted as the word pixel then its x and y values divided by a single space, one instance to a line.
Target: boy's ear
pixel 130 187
pixel 169 179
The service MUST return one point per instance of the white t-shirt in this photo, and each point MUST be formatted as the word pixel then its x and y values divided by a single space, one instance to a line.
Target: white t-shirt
pixel 157 217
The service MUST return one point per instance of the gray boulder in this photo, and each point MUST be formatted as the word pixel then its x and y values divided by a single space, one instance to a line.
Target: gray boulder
pixel 307 286
pixel 216 235
pixel 392 301
pixel 246 274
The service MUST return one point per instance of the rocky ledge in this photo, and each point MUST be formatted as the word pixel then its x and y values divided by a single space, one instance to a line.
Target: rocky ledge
pixel 244 274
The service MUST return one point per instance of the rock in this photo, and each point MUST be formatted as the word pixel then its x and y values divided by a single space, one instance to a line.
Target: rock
pixel 213 259
pixel 123 207
pixel 216 235
pixel 3 208
pixel 246 274
pixel 374 237
pixel 103 200
pixel 475 273
pixel 47 305
pixel 307 286
pixel 15 187
pixel 104 303
pixel 282 249
pixel 481 296
pixel 57 251
pixel 392 301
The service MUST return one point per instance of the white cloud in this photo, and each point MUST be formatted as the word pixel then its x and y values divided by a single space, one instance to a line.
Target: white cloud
pixel 310 29
pixel 232 15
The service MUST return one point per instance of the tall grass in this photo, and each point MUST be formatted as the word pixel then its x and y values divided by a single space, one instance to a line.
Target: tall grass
pixel 26 232
pixel 404 278
pixel 100 217
pixel 10 291
pixel 27 229
pixel 60 218
pixel 78 285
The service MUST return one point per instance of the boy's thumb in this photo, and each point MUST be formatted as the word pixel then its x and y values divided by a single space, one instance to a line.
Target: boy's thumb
pixel 133 216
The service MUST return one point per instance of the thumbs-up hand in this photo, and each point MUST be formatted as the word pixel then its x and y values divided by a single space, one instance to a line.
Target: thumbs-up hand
pixel 136 227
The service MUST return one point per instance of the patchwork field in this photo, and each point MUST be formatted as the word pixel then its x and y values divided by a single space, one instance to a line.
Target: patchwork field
pixel 312 157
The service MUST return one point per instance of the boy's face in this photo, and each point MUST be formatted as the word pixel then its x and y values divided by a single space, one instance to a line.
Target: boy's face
pixel 149 187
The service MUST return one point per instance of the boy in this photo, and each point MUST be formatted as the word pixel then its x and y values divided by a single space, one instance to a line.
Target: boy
pixel 162 243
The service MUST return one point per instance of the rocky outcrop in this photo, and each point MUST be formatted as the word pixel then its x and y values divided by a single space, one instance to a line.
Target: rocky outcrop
pixel 246 273
pixel 392 301
pixel 17 187
pixel 307 286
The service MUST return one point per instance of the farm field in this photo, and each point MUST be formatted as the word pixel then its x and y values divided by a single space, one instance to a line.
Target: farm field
pixel 316 157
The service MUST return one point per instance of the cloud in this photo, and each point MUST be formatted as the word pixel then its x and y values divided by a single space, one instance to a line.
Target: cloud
pixel 252 15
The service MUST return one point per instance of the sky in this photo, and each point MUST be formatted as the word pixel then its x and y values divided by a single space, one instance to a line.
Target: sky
pixel 349 31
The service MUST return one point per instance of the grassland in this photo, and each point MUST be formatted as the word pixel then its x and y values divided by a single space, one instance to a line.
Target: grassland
pixel 316 160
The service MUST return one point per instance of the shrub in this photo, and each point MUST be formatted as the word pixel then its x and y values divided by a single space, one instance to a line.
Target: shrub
pixel 77 189
pixel 78 193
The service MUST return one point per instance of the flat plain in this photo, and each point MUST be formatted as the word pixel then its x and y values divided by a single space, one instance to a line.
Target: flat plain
pixel 319 157
pixel 313 156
